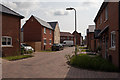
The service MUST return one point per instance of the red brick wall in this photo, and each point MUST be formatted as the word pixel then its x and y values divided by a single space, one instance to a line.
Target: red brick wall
pixel 78 40
pixel 11 27
pixel 113 26
pixel 48 36
pixel 91 41
pixel 32 30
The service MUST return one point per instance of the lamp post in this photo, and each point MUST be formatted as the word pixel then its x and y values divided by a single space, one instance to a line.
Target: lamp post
pixel 75 28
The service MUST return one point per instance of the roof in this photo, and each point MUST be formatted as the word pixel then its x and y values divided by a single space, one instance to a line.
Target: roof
pixel 76 33
pixel 43 23
pixel 66 34
pixel 104 4
pixel 7 10
pixel 53 24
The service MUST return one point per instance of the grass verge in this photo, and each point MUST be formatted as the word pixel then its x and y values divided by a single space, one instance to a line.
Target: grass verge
pixel 94 63
pixel 12 58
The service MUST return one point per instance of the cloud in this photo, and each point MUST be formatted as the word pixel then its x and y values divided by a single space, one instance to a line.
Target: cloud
pixel 60 12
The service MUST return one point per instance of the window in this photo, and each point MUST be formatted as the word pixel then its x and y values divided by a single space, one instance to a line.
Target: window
pixel 68 37
pixel 6 41
pixel 113 39
pixel 71 38
pixel 50 41
pixel 44 41
pixel 45 30
pixel 106 13
pixel 50 32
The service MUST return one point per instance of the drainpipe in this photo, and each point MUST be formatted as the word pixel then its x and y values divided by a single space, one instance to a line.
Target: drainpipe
pixel 119 34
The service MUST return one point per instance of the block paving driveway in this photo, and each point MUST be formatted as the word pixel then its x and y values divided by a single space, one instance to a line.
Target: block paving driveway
pixel 49 65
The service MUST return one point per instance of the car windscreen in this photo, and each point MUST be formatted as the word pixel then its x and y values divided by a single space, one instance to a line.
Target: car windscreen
pixel 25 45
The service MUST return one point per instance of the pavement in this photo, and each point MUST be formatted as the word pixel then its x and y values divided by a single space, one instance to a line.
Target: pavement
pixel 49 65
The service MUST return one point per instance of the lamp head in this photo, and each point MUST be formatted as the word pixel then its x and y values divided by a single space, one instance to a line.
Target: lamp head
pixel 69 8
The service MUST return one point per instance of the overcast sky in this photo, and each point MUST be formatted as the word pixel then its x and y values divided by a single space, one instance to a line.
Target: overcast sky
pixel 56 11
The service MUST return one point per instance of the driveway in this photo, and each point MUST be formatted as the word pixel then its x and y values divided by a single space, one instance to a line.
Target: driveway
pixel 49 65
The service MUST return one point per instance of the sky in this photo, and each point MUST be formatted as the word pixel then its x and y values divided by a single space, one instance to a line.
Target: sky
pixel 55 10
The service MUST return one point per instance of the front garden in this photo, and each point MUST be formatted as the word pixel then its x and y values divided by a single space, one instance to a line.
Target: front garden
pixel 90 61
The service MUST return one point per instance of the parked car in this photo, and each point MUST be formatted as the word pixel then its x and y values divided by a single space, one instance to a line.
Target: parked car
pixel 68 43
pixel 26 47
pixel 57 47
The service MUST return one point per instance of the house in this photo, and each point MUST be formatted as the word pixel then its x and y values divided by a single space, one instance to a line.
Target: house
pixel 66 36
pixel 78 38
pixel 90 38
pixel 11 23
pixel 56 29
pixel 38 32
pixel 107 31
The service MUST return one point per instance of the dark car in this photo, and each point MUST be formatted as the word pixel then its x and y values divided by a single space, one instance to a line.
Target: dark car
pixel 57 47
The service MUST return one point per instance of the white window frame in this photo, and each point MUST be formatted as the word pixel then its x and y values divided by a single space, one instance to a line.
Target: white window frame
pixel 44 30
pixel 50 31
pixel 113 32
pixel 49 41
pixel 106 13
pixel 44 42
pixel 6 41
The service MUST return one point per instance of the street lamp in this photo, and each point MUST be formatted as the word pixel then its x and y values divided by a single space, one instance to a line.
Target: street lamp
pixel 75 29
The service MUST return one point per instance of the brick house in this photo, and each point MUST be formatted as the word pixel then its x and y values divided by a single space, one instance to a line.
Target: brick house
pixel 107 32
pixel 90 38
pixel 11 23
pixel 37 30
pixel 66 36
pixel 78 38
pixel 56 29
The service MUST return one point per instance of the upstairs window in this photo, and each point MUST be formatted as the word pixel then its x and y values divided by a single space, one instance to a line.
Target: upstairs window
pixel 113 39
pixel 50 31
pixel 44 30
pixel 6 41
pixel 106 13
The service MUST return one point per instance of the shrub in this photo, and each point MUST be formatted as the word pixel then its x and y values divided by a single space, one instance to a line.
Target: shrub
pixel 94 63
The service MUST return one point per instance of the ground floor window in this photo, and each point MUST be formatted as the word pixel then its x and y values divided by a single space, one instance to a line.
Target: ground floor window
pixel 50 41
pixel 113 39
pixel 44 41
pixel 6 41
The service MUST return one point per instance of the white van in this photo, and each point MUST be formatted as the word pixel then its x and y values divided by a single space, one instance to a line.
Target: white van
pixel 68 43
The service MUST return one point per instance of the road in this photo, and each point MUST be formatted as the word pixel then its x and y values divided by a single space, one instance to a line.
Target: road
pixel 49 65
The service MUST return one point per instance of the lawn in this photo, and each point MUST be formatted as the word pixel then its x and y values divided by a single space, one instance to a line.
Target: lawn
pixel 93 63
pixel 12 58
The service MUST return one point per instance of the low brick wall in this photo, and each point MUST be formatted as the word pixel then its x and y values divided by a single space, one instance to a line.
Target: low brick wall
pixel 35 45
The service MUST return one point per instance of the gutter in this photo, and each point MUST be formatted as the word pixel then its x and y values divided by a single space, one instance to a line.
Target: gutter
pixel 119 34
